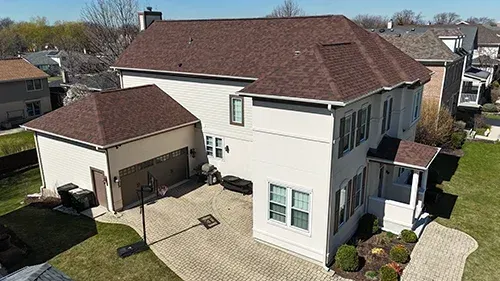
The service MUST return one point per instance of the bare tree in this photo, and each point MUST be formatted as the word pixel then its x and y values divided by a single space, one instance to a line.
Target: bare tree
pixel 289 8
pixel 371 21
pixel 446 18
pixel 111 25
pixel 76 92
pixel 5 22
pixel 482 20
pixel 406 17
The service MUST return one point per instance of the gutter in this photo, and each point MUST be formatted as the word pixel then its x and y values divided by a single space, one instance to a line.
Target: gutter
pixel 60 136
pixel 23 79
pixel 110 181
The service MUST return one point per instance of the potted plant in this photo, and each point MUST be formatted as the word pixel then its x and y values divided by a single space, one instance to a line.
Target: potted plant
pixel 4 242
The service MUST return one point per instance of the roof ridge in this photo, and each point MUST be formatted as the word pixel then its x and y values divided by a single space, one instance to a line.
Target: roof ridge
pixel 249 18
pixel 438 41
pixel 319 57
pixel 128 88
pixel 100 120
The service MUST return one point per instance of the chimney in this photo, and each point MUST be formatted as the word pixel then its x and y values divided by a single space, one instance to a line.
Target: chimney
pixel 390 24
pixel 147 17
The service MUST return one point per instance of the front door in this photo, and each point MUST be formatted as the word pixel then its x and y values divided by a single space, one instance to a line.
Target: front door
pixel 381 180
pixel 99 181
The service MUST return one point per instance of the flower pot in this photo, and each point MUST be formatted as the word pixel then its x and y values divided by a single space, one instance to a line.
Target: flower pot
pixel 4 242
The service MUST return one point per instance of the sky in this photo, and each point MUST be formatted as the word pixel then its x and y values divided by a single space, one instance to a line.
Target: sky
pixel 68 10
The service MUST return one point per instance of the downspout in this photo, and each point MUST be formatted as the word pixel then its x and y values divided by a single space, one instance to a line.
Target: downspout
pixel 461 83
pixel 39 159
pixel 330 192
pixel 110 181
pixel 442 85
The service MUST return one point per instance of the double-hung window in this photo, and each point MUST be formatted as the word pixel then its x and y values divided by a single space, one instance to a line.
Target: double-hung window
pixel 417 101
pixel 34 85
pixel 387 115
pixel 346 137
pixel 289 206
pixel 214 146
pixel 363 124
pixel 236 110
pixel 342 213
pixel 358 190
pixel 33 108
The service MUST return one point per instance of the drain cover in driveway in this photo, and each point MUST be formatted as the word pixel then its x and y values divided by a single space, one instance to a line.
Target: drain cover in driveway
pixel 208 221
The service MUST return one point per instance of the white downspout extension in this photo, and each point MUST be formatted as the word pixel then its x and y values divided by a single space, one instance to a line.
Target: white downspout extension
pixel 414 192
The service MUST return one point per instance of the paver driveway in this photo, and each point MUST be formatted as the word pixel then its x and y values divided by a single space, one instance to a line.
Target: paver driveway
pixel 224 252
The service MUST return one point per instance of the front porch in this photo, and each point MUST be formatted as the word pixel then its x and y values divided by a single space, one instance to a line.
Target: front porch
pixel 398 173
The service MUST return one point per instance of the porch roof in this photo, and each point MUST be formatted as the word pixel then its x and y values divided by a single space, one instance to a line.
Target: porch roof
pixel 403 153
pixel 477 74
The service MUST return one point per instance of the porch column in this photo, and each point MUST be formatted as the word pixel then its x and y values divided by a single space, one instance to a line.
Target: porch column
pixel 424 180
pixel 414 189
pixel 479 92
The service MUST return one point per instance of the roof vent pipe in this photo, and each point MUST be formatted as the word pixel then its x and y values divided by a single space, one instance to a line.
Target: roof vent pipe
pixel 390 24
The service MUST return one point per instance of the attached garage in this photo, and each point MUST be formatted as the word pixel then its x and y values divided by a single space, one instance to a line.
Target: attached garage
pixel 112 142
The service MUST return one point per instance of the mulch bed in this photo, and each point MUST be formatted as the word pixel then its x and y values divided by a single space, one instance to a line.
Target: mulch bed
pixel 372 262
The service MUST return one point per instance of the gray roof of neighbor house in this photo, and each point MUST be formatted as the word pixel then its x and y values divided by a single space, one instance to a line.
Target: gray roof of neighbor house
pixel 485 60
pixel 101 81
pixel 40 272
pixel 425 46
pixel 487 36
pixel 41 58
pixel 261 47
pixel 15 69
pixel 117 116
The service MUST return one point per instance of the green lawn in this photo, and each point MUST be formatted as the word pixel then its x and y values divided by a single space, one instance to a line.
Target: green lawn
pixel 476 182
pixel 80 247
pixel 17 142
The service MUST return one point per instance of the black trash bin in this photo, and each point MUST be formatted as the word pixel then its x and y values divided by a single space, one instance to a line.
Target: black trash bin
pixel 82 199
pixel 64 193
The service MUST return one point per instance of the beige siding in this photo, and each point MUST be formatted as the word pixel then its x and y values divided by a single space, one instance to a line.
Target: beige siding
pixel 63 162
pixel 19 107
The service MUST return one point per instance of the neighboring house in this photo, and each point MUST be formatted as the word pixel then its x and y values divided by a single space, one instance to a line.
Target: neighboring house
pixel 24 92
pixel 318 113
pixel 96 82
pixel 39 272
pixel 447 66
pixel 47 61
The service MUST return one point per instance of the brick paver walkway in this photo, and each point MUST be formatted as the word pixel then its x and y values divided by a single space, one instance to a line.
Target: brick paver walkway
pixel 225 252
pixel 439 255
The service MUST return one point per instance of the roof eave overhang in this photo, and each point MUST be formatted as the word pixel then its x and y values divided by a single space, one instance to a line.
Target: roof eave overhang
pixel 402 164
pixel 481 79
pixel 23 79
pixel 97 146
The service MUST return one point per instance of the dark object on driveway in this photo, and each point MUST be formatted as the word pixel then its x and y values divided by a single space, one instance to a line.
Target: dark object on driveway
pixel 4 242
pixel 129 250
pixel 64 193
pixel 209 173
pixel 82 199
pixel 236 184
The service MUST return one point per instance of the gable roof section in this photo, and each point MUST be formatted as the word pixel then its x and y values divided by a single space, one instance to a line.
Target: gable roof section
pixel 112 117
pixel 18 69
pixel 487 36
pixel 421 46
pixel 260 47
pixel 40 58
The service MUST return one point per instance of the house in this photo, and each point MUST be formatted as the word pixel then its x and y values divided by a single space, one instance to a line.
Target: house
pixel 39 272
pixel 24 92
pixel 427 48
pixel 317 112
pixel 47 60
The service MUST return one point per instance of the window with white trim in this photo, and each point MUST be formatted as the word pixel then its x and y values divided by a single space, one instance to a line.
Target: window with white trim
pixel 417 101
pixel 358 189
pixel 289 206
pixel 34 85
pixel 342 205
pixel 364 124
pixel 214 146
pixel 387 115
pixel 236 110
pixel 346 138
pixel 33 108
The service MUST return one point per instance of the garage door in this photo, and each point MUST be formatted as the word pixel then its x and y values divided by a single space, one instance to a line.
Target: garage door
pixel 167 169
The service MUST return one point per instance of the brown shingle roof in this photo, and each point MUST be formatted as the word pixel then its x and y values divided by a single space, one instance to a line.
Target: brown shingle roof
pixel 115 116
pixel 421 46
pixel 403 151
pixel 256 47
pixel 18 69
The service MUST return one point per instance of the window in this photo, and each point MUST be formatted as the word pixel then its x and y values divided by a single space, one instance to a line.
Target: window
pixel 387 115
pixel 417 100
pixel 342 205
pixel 216 146
pixel 358 181
pixel 33 108
pixel 363 128
pixel 289 206
pixel 401 171
pixel 145 164
pixel 127 171
pixel 236 110
pixel 34 85
pixel 277 203
pixel 346 137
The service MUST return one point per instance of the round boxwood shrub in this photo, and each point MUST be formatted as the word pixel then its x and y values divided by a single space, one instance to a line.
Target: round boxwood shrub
pixel 347 258
pixel 408 236
pixel 489 107
pixel 400 254
pixel 371 275
pixel 388 273
pixel 367 226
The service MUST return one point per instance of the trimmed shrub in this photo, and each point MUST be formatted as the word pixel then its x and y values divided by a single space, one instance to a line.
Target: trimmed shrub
pixel 400 254
pixel 489 107
pixel 387 273
pixel 408 236
pixel 367 226
pixel 458 139
pixel 347 258
pixel 460 125
pixel 371 275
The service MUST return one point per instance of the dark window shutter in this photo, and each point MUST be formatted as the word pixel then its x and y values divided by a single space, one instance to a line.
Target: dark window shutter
pixel 358 129
pixel 384 117
pixel 353 129
pixel 363 188
pixel 349 200
pixel 341 138
pixel 390 115
pixel 369 118
pixel 336 215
